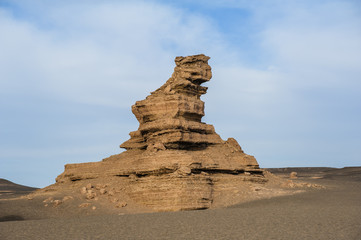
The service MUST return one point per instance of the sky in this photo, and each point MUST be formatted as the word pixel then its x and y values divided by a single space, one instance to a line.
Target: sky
pixel 286 78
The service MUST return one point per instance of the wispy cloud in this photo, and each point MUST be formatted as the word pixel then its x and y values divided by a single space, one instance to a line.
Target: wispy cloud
pixel 99 52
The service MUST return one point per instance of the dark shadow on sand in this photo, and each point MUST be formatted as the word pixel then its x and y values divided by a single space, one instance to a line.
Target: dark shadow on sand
pixel 11 218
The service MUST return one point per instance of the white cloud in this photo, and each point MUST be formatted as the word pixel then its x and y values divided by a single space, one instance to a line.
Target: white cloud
pixel 99 53
pixel 304 111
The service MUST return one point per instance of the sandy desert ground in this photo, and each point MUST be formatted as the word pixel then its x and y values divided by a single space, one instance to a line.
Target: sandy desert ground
pixel 333 212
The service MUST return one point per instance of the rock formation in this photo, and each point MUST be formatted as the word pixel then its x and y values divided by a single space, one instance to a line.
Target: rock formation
pixel 170 118
pixel 174 161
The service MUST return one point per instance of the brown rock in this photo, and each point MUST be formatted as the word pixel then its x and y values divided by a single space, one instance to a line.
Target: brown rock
pixel 49 199
pixel 173 161
pixel 83 190
pixel 90 194
pixel 66 198
pixel 102 191
pixel 121 204
pixel 84 205
pixel 233 144
pixel 57 203
pixel 184 170
pixel 291 184
pixel 293 175
pixel 170 118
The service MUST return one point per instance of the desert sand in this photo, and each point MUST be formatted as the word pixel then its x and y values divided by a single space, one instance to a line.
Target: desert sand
pixel 331 212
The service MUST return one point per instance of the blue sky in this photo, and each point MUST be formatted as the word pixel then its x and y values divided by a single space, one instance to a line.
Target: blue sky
pixel 286 78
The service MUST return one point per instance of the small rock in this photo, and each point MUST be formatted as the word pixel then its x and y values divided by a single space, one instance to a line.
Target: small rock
pixel 84 205
pixel 98 186
pixel 114 200
pixel 121 204
pixel 183 170
pixel 91 195
pixel 66 198
pixel 57 203
pixel 46 205
pixel 89 186
pixel 96 199
pixel 111 193
pixel 30 198
pixel 317 186
pixel 293 175
pixel 83 190
pixel 49 199
pixel 94 207
pixel 291 184
pixel 102 191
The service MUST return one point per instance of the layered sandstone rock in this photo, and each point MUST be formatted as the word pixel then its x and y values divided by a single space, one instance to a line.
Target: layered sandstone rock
pixel 170 118
pixel 174 161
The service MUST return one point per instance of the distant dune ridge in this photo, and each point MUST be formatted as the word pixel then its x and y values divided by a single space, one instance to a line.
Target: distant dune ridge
pixel 10 189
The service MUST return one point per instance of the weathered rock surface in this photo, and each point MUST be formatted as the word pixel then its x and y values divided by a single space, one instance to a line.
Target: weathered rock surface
pixel 293 175
pixel 170 118
pixel 173 161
